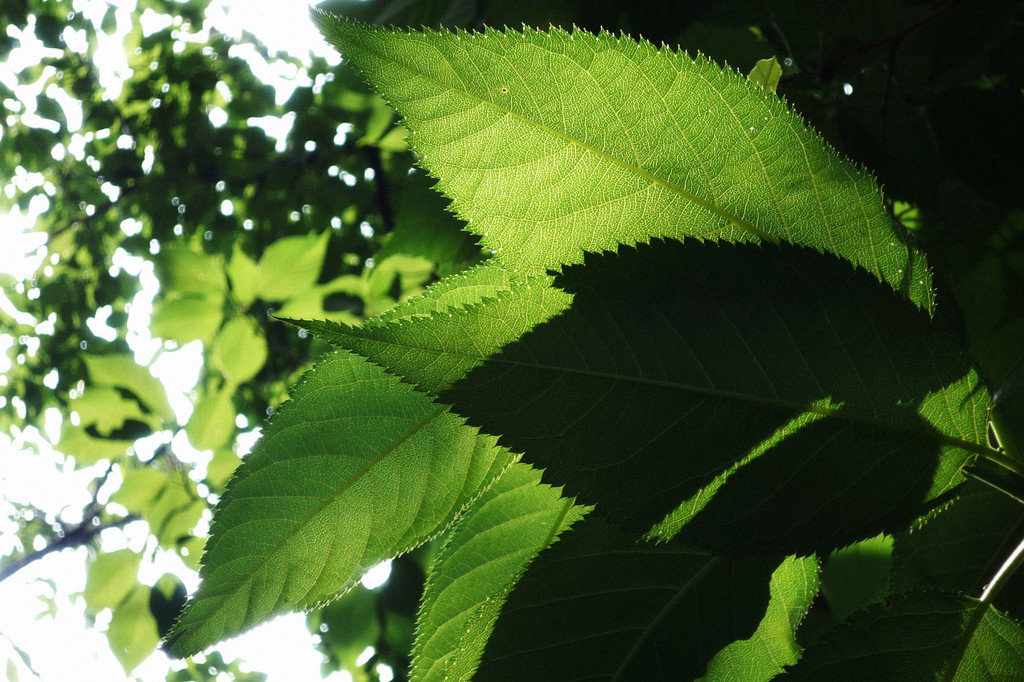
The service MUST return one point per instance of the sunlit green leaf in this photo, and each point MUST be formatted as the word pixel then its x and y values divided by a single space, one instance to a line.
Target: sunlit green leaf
pixel 481 560
pixel 239 350
pixel 123 371
pixel 188 272
pixel 213 422
pixel 552 144
pixel 187 319
pixel 290 265
pixel 111 576
pixel 132 631
pixel 319 501
pixel 794 585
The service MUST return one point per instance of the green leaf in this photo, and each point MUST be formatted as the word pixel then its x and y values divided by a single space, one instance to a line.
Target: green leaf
pixel 244 275
pixel 434 351
pixel 76 442
pixel 773 645
pixel 961 548
pixel 848 408
pixel 552 144
pixel 914 634
pixel 599 605
pixel 854 577
pixel 187 319
pixel 105 409
pixel 121 370
pixel 461 290
pixel 239 350
pixel 310 304
pixel 213 422
pixel 187 272
pixel 111 576
pixel 481 560
pixel 356 468
pixel 132 632
pixel 766 73
pixel 291 265
pixel 167 501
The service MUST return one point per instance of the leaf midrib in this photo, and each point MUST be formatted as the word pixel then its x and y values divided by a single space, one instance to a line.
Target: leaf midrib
pixel 327 502
pixel 633 168
pixel 766 401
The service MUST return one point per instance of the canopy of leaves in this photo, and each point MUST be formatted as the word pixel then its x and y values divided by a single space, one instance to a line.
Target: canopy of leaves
pixel 695 310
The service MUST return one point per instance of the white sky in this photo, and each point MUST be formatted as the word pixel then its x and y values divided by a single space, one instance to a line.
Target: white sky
pixel 60 645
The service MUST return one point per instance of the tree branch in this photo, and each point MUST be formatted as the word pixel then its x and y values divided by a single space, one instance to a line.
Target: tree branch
pixel 81 534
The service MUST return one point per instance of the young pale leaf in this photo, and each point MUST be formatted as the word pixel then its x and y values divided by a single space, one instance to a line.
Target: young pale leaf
pixel 356 468
pixel 676 361
pixel 794 585
pixel 597 605
pixel 914 635
pixel 481 560
pixel 552 144
pixel 433 352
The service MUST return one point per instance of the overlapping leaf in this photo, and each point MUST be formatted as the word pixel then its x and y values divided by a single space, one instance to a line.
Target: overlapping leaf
pixel 773 645
pixel 675 362
pixel 480 562
pixel 356 468
pixel 914 636
pixel 552 144
pixel 457 327
pixel 596 605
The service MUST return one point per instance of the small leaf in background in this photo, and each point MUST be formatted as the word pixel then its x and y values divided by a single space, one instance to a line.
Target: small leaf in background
pixel 109 579
pixel 185 271
pixel 221 466
pixel 121 370
pixel 766 73
pixel 213 422
pixel 290 265
pixel 104 408
pixel 132 631
pixel 312 304
pixel 86 449
pixel 243 272
pixel 240 350
pixel 349 625
pixel 187 318
pixel 168 502
pixel 166 599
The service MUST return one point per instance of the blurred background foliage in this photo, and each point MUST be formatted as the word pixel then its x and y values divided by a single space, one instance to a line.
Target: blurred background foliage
pixel 186 202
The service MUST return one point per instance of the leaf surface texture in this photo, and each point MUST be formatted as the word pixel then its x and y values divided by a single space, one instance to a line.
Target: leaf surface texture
pixel 676 362
pixel 356 468
pixel 552 144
